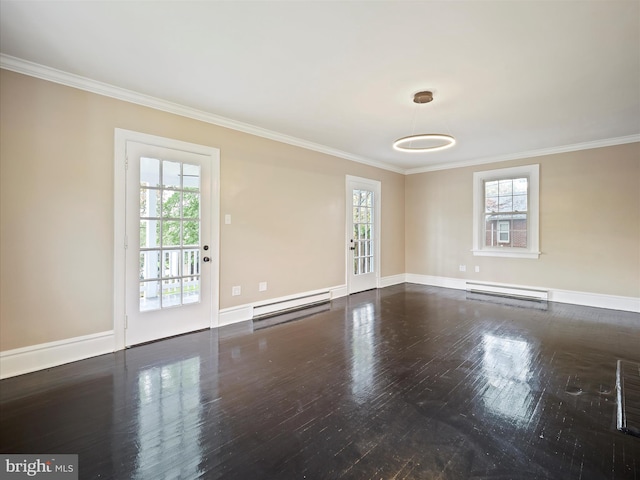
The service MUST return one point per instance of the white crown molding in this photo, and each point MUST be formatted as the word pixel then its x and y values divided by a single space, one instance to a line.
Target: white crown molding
pixel 36 70
pixel 607 142
pixel 42 72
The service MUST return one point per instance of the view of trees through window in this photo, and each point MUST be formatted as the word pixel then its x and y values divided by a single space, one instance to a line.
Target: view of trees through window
pixel 171 228
pixel 169 233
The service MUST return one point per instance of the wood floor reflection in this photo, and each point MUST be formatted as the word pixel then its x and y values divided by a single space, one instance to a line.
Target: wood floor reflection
pixel 406 382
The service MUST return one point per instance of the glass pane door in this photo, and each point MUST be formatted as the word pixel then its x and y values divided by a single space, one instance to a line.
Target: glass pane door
pixel 171 240
pixel 363 233
pixel 169 227
pixel 363 255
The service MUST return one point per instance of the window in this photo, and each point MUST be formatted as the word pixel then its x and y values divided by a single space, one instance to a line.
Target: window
pixel 503 231
pixel 505 212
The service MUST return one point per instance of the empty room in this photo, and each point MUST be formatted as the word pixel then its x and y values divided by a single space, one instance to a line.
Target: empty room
pixel 320 239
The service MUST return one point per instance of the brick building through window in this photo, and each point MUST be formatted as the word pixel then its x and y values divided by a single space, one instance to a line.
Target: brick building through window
pixel 502 232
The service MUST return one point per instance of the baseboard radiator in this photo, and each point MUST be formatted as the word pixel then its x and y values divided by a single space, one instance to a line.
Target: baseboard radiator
pixel 291 304
pixel 521 293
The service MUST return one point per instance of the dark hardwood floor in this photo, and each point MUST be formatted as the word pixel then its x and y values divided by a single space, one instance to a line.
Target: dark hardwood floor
pixel 400 383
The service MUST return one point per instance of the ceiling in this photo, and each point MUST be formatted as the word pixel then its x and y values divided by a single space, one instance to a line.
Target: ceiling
pixel 509 78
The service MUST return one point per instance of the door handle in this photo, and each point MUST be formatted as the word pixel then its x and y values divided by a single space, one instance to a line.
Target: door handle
pixel 352 248
pixel 205 259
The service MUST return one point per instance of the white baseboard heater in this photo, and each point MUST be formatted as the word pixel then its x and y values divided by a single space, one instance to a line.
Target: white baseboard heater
pixel 290 304
pixel 522 293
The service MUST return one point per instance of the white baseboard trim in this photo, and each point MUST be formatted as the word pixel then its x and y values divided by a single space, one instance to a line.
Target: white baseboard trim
pixel 52 354
pixel 47 355
pixel 446 282
pixel 392 280
pixel 340 291
pixel 612 302
pixel 237 314
pixel 587 299
pixel 242 313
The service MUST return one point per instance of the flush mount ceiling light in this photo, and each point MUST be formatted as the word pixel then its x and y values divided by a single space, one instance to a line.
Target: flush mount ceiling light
pixel 424 142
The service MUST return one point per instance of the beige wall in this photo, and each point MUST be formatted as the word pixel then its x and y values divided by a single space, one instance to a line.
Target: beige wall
pixel 56 210
pixel 589 224
pixel 288 210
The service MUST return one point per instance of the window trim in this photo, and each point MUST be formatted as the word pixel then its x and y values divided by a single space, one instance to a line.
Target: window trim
pixel 532 172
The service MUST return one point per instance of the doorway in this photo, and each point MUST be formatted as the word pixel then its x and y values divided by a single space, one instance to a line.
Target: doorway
pixel 170 257
pixel 363 233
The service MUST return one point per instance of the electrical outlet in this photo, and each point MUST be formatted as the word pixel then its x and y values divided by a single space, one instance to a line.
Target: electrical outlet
pixel 227 219
pixel 262 286
pixel 477 268
pixel 235 291
pixel 463 268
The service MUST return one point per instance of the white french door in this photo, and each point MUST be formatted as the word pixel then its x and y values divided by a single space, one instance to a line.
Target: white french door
pixel 363 234
pixel 171 254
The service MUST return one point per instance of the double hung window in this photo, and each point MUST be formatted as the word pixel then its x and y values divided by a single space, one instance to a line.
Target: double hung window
pixel 505 205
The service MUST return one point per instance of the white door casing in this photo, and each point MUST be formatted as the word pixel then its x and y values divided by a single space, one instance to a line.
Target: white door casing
pixel 363 201
pixel 163 290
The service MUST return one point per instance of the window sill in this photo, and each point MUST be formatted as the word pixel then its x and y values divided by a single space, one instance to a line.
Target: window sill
pixel 506 254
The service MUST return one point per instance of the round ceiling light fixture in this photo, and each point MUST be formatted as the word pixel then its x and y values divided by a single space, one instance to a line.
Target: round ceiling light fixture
pixel 424 142
pixel 448 140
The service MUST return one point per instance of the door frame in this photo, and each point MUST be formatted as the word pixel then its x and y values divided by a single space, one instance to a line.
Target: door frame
pixel 121 137
pixel 376 187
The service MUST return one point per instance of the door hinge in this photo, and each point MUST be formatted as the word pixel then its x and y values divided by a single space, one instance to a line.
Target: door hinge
pixel 126 242
pixel 126 322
